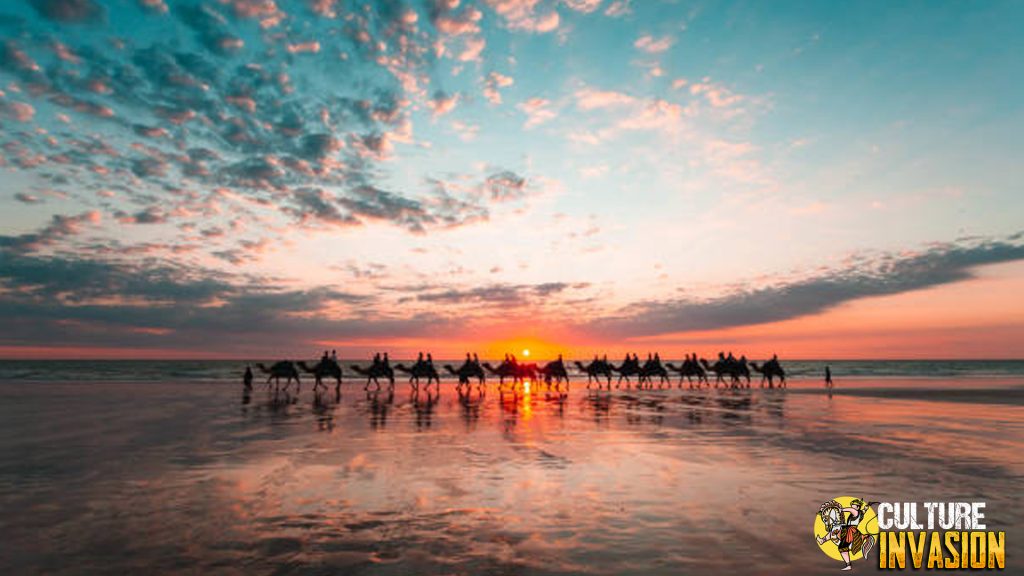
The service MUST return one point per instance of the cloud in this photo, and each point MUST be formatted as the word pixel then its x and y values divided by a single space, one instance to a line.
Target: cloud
pixel 492 85
pixel 59 228
pixel 652 45
pixel 154 6
pixel 505 185
pixel 316 204
pixel 18 111
pixel 113 303
pixel 311 47
pixel 27 198
pixel 537 111
pixel 442 103
pixel 717 95
pixel 500 294
pixel 882 275
pixel 618 9
pixel 69 11
pixel 527 15
pixel 584 6
pixel 590 99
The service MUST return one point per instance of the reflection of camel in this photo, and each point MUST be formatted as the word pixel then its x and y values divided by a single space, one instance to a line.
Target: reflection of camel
pixel 283 369
pixel 420 370
pixel 374 373
pixel 769 371
pixel 325 368
pixel 688 370
pixel 595 370
pixel 466 372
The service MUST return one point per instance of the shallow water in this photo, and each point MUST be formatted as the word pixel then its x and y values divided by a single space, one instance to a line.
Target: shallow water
pixel 185 477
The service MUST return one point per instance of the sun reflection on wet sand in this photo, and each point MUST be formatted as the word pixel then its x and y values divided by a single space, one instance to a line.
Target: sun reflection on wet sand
pixel 121 477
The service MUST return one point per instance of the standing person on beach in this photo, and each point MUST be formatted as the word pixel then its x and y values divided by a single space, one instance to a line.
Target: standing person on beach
pixel 247 378
pixel 828 379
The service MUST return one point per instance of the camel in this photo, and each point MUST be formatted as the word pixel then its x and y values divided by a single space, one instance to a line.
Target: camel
pixel 420 370
pixel 554 371
pixel 283 369
pixel 688 370
pixel 654 368
pixel 629 367
pixel 325 368
pixel 374 373
pixel 504 370
pixel 769 371
pixel 595 370
pixel 467 371
pixel 735 369
pixel 517 372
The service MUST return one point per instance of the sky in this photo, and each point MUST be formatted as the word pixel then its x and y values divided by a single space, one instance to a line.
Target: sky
pixel 250 178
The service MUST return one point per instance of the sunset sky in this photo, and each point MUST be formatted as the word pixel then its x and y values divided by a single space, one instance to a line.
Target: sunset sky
pixel 239 178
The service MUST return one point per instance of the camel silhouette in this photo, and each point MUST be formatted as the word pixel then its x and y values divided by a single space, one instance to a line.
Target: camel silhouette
pixel 283 369
pixel 769 371
pixel 518 373
pixel 629 367
pixel 325 368
pixel 466 372
pixel 595 370
pixel 688 370
pixel 554 372
pixel 734 369
pixel 649 370
pixel 374 373
pixel 420 370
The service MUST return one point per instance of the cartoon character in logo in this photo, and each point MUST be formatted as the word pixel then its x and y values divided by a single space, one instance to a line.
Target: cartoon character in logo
pixel 846 521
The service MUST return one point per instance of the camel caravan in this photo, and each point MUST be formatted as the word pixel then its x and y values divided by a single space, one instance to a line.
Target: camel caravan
pixel 727 370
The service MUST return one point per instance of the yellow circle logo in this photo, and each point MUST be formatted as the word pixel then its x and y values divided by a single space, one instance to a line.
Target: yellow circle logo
pixel 845 528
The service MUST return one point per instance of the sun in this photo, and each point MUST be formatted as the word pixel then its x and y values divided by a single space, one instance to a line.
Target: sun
pixel 526 352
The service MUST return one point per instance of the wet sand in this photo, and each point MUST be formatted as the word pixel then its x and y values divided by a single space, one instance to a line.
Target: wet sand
pixel 189 477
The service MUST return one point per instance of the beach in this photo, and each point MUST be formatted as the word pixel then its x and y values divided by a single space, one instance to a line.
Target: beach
pixel 197 477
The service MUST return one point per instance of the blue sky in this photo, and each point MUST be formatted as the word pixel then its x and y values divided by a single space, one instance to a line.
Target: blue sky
pixel 399 170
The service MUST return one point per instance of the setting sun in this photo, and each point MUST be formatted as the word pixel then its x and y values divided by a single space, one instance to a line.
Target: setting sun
pixel 526 351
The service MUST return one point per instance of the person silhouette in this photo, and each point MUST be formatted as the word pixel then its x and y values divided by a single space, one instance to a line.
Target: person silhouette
pixel 476 359
pixel 386 362
pixel 247 378
pixel 324 357
pixel 334 356
pixel 828 379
